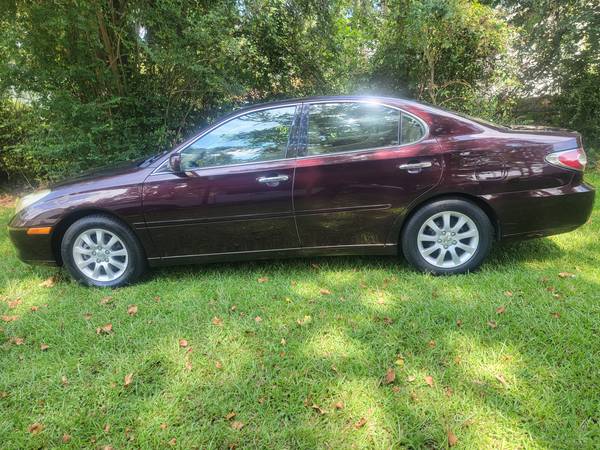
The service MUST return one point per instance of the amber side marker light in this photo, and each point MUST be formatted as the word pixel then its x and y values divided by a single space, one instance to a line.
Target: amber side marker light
pixel 39 230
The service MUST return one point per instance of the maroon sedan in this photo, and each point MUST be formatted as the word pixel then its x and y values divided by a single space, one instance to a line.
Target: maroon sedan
pixel 318 176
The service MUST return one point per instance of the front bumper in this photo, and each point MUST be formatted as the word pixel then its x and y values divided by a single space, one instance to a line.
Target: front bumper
pixel 543 212
pixel 32 249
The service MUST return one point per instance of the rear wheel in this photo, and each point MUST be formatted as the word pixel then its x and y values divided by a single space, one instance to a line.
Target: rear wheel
pixel 448 236
pixel 100 251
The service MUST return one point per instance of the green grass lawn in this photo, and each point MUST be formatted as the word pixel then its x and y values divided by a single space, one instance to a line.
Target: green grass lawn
pixel 300 351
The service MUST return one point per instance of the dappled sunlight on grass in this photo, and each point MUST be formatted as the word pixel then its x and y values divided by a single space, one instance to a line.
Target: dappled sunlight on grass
pixel 511 351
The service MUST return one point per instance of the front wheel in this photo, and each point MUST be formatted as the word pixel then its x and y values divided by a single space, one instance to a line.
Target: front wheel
pixel 447 237
pixel 100 251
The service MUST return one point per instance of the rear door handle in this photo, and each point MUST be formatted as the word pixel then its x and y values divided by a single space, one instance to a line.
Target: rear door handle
pixel 415 166
pixel 274 180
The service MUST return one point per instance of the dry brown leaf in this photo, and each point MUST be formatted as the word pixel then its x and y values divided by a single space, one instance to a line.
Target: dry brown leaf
pixel 431 344
pixel 411 378
pixel 339 405
pixel 390 376
pixel 325 292
pixel 87 316
pixel 429 380
pixel 183 343
pixel 66 438
pixel 257 319
pixel 492 324
pixel 3 394
pixel 18 341
pixel 566 275
pixel 188 364
pixel 304 320
pixel 34 308
pixel 106 300
pixel 388 320
pixel 452 439
pixel 237 425
pixel 400 361
pixel 230 416
pixel 361 423
pixel 64 381
pixel 9 318
pixel 508 293
pixel 49 282
pixel 14 303
pixel 217 321
pixel 128 379
pixel 502 380
pixel 448 391
pixel 107 428
pixel 500 309
pixel 163 426
pixel 35 428
pixel 132 310
pixel 104 329
pixel 173 442
pixel 218 365
pixel 317 408
pixel 459 323
pixel 556 315
pixel 44 347
pixel 263 279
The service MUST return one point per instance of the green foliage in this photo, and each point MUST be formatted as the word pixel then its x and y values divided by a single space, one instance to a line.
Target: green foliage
pixel 87 83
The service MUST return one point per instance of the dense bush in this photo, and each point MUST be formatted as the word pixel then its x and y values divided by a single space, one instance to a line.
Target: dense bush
pixel 85 83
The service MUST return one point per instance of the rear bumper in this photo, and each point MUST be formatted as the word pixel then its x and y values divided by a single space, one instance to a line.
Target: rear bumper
pixel 542 212
pixel 32 249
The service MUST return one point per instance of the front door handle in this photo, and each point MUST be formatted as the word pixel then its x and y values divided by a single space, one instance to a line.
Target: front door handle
pixel 274 180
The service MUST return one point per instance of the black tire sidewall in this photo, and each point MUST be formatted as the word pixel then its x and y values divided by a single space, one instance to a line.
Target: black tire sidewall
pixel 136 264
pixel 482 222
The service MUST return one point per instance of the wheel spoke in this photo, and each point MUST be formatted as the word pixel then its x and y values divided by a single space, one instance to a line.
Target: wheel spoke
pixel 427 238
pixel 85 238
pixel 83 251
pixel 99 237
pixel 459 224
pixel 430 250
pixel 120 252
pixel 84 264
pixel 455 258
pixel 465 248
pixel 117 264
pixel 111 242
pixel 446 217
pixel 467 234
pixel 96 272
pixel 440 259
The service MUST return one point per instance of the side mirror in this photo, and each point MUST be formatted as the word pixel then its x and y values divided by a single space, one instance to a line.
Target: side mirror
pixel 175 162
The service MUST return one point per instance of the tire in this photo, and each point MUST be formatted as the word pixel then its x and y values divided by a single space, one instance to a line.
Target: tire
pixel 464 245
pixel 119 258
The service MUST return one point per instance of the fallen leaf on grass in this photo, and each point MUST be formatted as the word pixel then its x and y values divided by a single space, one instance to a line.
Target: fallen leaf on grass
pixel 44 347
pixel 188 363
pixel 106 300
pixel 87 316
pixel 66 438
pixel 492 324
pixel 14 303
pixel 502 380
pixel 390 376
pixel 318 409
pixel 508 293
pixel 459 323
pixel 35 428
pixel 400 362
pixel 18 341
pixel 183 343
pixel 104 329
pixel 237 425
pixel 325 292
pixel 500 309
pixel 217 321
pixel 305 320
pixel 566 275
pixel 556 315
pixel 429 380
pixel 218 365
pixel 3 394
pixel 230 416
pixel 452 439
pixel 48 282
pixel 339 405
pixel 9 318
pixel 132 310
pixel 34 308
pixel 64 381
pixel 361 423
pixel 262 279
pixel 431 344
pixel 448 391
pixel 107 428
pixel 411 378
pixel 128 379
pixel 173 442
pixel 257 319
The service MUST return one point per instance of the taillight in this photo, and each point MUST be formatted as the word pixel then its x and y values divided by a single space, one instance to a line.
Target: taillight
pixel 570 159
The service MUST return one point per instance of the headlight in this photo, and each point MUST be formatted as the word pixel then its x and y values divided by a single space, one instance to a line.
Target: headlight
pixel 30 199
